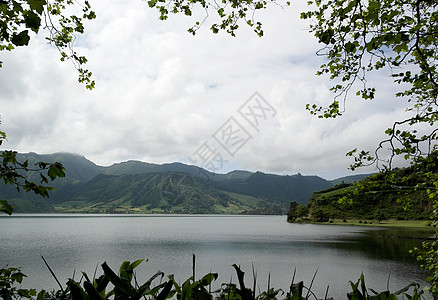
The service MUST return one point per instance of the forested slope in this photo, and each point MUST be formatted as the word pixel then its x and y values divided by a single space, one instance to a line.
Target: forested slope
pixel 398 194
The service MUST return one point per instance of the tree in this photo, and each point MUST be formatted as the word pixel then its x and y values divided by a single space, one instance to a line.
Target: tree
pixel 379 215
pixel 292 214
pixel 302 211
pixel 362 37
pixel 17 17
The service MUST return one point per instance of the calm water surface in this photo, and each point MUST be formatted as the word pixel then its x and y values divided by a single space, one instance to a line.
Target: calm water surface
pixel 75 243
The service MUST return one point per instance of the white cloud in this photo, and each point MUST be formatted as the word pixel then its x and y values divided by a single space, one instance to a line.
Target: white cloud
pixel 162 92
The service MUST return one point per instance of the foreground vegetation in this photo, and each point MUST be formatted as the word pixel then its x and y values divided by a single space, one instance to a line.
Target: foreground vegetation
pixel 125 285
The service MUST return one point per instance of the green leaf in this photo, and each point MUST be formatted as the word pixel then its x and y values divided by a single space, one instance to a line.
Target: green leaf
pixel 76 290
pixel 6 207
pixel 165 291
pixel 101 283
pixel 350 47
pixel 32 20
pixel 389 131
pixel 214 28
pixel 152 3
pixel 91 291
pixel 37 5
pixel 114 279
pixel 135 264
pixel 56 170
pixel 21 39
pixel 209 278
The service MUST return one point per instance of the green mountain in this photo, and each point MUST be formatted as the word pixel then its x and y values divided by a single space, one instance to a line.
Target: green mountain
pixel 139 167
pixel 349 179
pixel 77 167
pixel 398 194
pixel 136 186
pixel 233 175
pixel 163 192
pixel 276 188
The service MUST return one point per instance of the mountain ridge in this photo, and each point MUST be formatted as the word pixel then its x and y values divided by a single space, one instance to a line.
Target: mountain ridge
pixel 136 186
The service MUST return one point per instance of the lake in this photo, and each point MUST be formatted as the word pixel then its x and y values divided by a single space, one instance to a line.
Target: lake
pixel 75 243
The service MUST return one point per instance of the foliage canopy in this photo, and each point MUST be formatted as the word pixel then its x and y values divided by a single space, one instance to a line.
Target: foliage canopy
pixel 363 37
pixel 230 12
pixel 18 17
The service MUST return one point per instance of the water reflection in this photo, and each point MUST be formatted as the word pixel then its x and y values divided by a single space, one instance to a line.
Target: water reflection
pixel 393 244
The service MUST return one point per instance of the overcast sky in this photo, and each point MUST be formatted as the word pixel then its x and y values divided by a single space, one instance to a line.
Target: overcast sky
pixel 163 95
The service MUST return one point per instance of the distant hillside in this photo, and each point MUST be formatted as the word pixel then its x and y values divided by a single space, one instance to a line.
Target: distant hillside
pixel 136 186
pixel 349 179
pixel 153 192
pixel 231 176
pixel 139 167
pixel 283 189
pixel 77 167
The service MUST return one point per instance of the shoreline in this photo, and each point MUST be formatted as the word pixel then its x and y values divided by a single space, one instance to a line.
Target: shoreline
pixel 415 224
